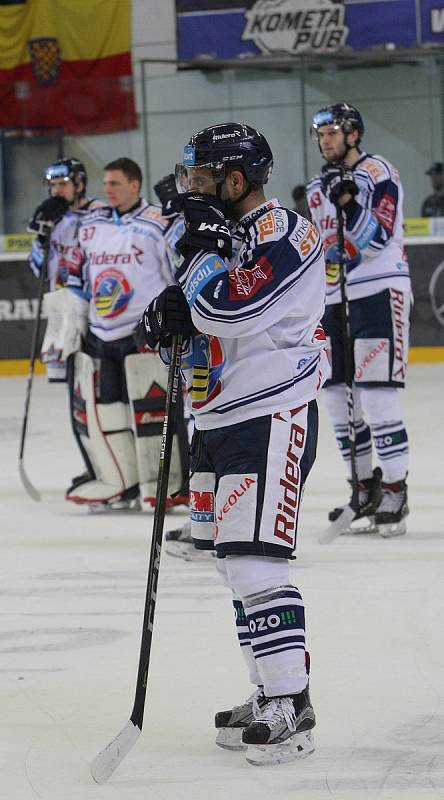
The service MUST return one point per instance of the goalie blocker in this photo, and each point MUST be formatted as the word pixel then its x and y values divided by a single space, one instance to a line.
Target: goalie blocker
pixel 122 439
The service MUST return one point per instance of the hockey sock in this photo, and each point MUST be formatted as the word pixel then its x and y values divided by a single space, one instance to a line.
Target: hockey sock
pixel 336 404
pixel 383 410
pixel 276 624
pixel 243 634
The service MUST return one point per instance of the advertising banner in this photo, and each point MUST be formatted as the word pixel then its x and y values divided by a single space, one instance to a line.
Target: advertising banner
pixel 19 287
pixel 230 29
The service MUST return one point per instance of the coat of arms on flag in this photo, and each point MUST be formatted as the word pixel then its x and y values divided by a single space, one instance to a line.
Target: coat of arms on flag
pixel 45 59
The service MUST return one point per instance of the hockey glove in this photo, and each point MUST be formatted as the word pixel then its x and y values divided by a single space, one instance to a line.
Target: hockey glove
pixel 46 214
pixel 336 182
pixel 166 316
pixel 205 227
pixel 166 190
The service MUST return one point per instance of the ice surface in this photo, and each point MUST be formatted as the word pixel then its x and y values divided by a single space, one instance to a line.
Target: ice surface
pixel 72 588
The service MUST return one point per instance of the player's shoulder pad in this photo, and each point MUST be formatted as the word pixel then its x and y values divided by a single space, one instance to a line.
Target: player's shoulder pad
pixel 272 225
pixel 100 212
pixel 95 204
pixel 313 183
pixel 151 212
pixel 304 237
pixel 377 167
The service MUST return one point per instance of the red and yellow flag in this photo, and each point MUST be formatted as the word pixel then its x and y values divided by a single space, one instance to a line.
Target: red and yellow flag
pixel 66 63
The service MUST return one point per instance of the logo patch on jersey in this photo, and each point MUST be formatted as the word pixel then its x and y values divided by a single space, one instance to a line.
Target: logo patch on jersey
pixel 385 212
pixel 208 364
pixel 271 225
pixel 244 283
pixel 304 237
pixel 371 168
pixel 352 255
pixel 112 293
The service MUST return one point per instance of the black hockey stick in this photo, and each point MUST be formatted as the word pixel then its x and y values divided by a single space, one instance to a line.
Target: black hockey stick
pixel 28 486
pixel 109 759
pixel 349 511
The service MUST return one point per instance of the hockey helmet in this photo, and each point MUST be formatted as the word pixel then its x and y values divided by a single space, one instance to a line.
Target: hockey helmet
pixel 71 169
pixel 219 147
pixel 339 115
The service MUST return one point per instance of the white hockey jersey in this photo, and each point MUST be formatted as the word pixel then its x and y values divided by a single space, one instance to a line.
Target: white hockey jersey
pixel 64 255
pixel 260 347
pixel 375 256
pixel 126 261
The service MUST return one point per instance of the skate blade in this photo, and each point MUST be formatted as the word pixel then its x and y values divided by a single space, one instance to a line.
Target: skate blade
pixel 361 526
pixel 230 739
pixel 298 746
pixel 392 529
pixel 187 552
pixel 123 506
pixel 336 528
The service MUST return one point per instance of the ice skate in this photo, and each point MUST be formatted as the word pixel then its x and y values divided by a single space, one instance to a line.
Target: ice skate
pixel 281 731
pixel 180 545
pixel 344 520
pixel 100 496
pixel 85 477
pixel 392 510
pixel 230 724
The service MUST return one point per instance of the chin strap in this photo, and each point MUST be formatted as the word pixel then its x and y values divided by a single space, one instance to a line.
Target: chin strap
pixel 230 205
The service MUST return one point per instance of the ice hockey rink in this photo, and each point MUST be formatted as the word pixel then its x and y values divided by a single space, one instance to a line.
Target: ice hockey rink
pixel 72 595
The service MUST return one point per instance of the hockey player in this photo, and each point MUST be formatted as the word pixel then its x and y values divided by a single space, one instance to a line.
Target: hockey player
pixel 367 191
pixel 251 304
pixel 67 202
pixel 59 217
pixel 126 258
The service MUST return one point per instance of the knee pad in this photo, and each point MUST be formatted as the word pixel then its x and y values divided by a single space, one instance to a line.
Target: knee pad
pixel 248 575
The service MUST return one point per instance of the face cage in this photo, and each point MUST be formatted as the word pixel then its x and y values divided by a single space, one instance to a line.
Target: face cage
pixel 184 173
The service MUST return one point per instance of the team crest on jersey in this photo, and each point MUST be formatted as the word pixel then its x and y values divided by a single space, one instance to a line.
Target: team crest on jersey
pixel 45 59
pixel 112 293
pixel 244 283
pixel 208 363
pixel 352 254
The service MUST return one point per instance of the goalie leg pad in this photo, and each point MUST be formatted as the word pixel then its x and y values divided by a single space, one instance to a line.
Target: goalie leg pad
pixel 105 433
pixel 146 378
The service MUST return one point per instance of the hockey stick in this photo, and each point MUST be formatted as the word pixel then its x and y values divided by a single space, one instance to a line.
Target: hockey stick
pixel 109 759
pixel 28 486
pixel 349 512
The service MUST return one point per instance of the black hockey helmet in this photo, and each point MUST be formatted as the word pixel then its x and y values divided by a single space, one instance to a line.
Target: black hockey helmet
pixel 340 115
pixel 71 169
pixel 231 144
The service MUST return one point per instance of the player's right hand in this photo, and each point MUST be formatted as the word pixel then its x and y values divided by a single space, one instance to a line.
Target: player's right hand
pixel 166 316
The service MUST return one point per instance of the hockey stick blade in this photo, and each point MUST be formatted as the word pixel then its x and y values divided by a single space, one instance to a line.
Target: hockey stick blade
pixel 109 759
pixel 27 485
pixel 337 527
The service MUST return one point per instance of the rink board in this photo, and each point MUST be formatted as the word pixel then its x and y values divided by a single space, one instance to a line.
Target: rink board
pixel 19 287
